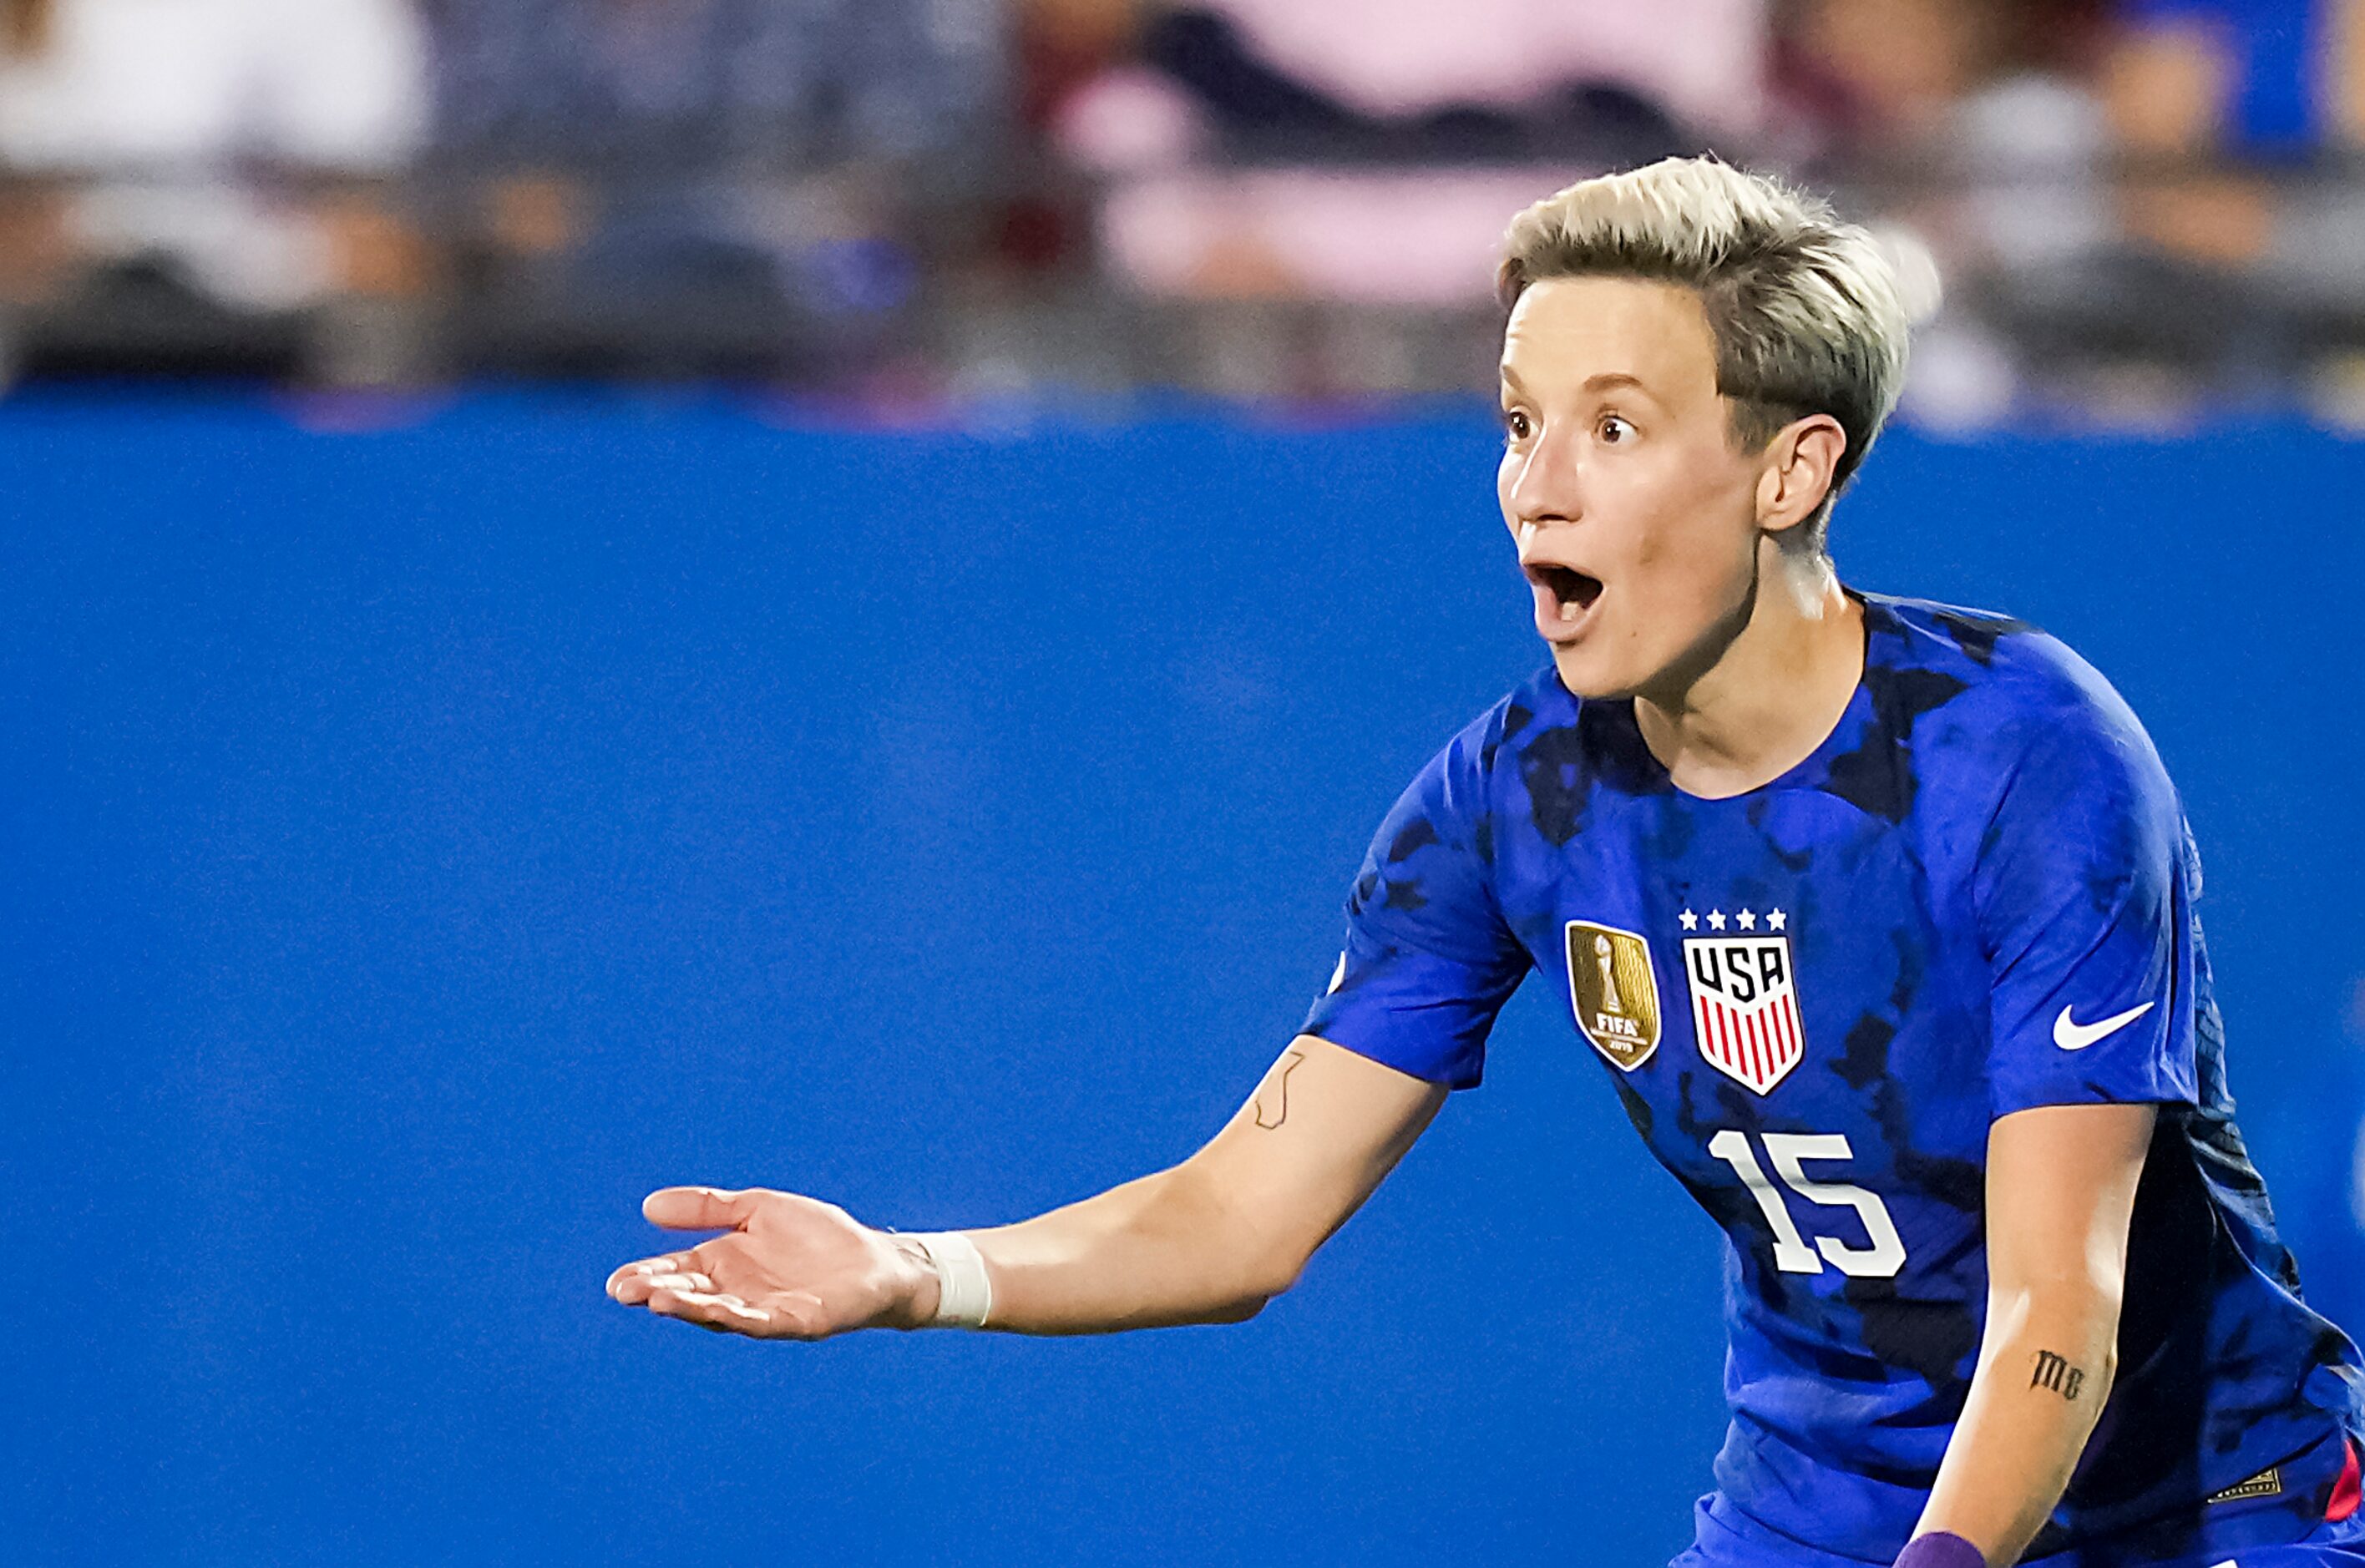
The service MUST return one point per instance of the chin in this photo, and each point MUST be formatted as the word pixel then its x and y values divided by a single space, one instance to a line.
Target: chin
pixel 1588 675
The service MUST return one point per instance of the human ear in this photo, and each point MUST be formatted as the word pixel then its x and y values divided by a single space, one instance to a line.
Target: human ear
pixel 1799 466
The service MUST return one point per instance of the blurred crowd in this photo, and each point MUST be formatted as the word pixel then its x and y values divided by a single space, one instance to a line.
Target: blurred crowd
pixel 2117 209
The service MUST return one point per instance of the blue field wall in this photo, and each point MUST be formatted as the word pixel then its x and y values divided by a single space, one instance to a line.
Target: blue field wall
pixel 420 841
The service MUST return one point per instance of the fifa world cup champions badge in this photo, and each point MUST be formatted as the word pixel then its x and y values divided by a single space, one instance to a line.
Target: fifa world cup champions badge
pixel 1745 1002
pixel 1613 991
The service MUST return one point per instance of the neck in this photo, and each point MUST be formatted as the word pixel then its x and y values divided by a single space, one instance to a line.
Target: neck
pixel 1772 692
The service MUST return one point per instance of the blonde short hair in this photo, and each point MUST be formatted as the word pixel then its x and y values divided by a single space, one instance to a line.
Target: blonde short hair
pixel 1805 309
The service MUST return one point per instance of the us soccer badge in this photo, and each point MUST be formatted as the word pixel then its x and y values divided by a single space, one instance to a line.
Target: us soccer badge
pixel 1744 1005
pixel 1613 991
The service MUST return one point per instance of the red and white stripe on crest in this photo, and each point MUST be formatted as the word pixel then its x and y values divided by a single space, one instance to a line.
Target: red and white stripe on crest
pixel 1745 1008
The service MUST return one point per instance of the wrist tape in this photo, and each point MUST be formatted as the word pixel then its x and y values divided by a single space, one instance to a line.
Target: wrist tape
pixel 964 1293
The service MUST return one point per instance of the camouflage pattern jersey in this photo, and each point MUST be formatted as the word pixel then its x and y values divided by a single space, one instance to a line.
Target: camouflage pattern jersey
pixel 1976 896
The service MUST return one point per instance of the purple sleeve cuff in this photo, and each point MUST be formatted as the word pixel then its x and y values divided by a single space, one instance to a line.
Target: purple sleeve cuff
pixel 1940 1549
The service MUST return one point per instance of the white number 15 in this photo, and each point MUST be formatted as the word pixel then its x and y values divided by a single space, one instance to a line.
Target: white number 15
pixel 1791 1254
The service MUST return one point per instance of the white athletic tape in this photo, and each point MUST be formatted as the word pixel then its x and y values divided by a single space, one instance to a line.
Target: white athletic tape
pixel 964 1291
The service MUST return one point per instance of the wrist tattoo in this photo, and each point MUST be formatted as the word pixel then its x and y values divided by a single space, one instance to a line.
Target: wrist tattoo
pixel 2055 1372
pixel 1273 1103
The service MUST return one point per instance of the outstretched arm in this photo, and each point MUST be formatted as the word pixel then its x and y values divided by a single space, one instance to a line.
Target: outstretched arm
pixel 1210 1240
pixel 2061 1192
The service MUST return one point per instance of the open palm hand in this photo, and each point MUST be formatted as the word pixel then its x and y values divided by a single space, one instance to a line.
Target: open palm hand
pixel 789 1267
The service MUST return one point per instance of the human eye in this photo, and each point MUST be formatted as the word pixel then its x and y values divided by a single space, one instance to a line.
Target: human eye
pixel 1517 425
pixel 1615 430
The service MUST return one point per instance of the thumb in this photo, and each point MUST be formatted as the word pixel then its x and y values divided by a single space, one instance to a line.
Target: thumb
pixel 697 1208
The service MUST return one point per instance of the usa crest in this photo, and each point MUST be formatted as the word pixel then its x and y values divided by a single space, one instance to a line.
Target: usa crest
pixel 1613 993
pixel 1745 1001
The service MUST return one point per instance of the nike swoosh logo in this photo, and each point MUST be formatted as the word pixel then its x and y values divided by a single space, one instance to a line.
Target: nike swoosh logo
pixel 2072 1035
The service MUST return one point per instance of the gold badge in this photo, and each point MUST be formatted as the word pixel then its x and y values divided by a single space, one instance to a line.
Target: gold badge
pixel 1614 992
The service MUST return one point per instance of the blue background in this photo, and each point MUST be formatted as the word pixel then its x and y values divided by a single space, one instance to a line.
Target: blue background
pixel 420 841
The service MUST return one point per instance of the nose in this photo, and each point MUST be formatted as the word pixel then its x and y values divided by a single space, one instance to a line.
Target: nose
pixel 1545 489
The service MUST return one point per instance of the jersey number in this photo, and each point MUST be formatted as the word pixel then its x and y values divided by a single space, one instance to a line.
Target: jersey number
pixel 1789 1151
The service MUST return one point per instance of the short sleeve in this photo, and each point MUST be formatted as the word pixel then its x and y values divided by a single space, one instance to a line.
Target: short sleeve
pixel 1429 960
pixel 2084 892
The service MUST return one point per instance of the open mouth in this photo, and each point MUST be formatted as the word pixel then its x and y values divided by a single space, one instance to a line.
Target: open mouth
pixel 1564 594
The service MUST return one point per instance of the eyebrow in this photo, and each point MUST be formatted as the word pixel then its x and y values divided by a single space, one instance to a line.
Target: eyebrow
pixel 1593 384
pixel 1605 381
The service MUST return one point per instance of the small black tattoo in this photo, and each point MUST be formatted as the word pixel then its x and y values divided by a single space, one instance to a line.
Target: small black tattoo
pixel 1280 1094
pixel 2056 1373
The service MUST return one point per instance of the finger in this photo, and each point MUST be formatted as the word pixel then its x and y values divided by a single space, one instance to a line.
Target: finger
pixel 699 1208
pixel 711 1267
pixel 636 1290
pixel 639 1272
pixel 712 1309
pixel 689 1282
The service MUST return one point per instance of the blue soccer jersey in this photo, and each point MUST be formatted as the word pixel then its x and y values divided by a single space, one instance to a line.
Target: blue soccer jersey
pixel 1975 898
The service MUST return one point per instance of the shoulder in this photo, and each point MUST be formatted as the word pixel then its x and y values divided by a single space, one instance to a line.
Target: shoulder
pixel 1430 864
pixel 1527 758
pixel 2038 771
pixel 1524 720
pixel 1549 753
pixel 1537 706
pixel 2005 697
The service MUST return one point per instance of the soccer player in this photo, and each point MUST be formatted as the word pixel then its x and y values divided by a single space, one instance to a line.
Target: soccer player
pixel 1879 917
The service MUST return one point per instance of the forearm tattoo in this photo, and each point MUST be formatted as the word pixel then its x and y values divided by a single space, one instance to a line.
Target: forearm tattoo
pixel 2055 1372
pixel 1272 1100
